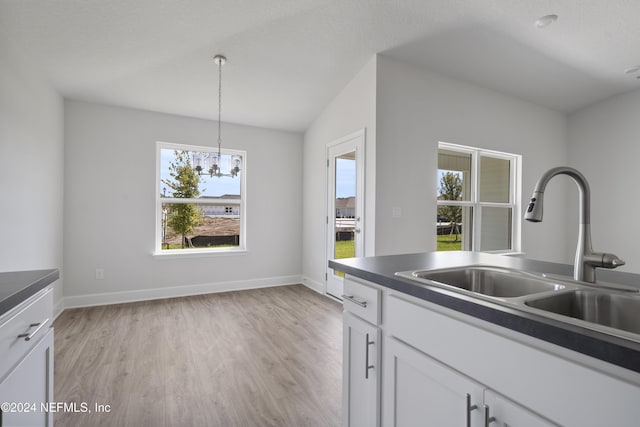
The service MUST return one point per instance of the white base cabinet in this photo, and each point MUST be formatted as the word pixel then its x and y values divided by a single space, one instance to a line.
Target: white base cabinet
pixel 529 383
pixel 420 391
pixel 504 413
pixel 28 388
pixel 360 393
pixel 438 367
pixel 361 367
pixel 26 362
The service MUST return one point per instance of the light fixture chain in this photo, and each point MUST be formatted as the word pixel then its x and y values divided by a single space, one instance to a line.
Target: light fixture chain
pixel 219 106
pixel 216 168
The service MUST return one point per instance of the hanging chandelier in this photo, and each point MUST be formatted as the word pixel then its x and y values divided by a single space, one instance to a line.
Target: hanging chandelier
pixel 211 163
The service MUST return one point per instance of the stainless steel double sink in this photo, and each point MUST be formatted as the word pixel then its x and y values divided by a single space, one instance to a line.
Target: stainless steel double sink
pixel 607 308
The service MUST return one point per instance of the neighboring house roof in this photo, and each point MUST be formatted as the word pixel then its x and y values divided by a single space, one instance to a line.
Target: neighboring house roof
pixel 345 202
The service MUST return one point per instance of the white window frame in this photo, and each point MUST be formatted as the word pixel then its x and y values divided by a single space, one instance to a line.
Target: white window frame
pixel 190 252
pixel 515 202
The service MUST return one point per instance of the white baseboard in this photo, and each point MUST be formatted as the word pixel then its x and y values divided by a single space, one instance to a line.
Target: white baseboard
pixel 90 300
pixel 313 285
pixel 58 308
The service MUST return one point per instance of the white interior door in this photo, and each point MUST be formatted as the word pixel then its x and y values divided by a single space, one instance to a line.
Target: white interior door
pixel 345 204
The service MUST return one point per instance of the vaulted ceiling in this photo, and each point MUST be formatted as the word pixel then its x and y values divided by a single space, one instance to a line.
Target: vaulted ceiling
pixel 288 58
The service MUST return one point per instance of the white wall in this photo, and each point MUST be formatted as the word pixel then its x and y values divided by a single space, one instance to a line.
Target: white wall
pixel 353 109
pixel 110 156
pixel 604 144
pixel 31 168
pixel 416 109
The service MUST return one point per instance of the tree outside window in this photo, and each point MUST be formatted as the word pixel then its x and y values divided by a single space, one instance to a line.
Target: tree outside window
pixel 184 183
pixel 451 189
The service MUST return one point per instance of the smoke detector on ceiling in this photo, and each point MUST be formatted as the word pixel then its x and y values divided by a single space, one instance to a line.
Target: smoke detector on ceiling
pixel 546 20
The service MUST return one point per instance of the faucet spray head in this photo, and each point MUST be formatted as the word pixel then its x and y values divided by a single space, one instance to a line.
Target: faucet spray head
pixel 534 209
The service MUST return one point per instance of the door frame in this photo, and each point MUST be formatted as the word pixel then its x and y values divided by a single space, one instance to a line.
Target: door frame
pixel 355 141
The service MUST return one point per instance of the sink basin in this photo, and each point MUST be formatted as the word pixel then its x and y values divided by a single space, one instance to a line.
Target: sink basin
pixel 614 310
pixel 490 281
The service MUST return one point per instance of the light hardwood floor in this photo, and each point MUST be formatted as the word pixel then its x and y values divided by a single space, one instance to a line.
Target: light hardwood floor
pixel 264 357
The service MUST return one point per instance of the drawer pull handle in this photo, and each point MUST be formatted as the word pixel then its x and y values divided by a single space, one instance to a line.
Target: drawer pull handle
pixel 470 408
pixel 487 418
pixel 366 358
pixel 355 301
pixel 27 336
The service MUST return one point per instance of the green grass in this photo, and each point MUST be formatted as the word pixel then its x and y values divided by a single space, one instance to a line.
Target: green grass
pixel 345 249
pixel 446 243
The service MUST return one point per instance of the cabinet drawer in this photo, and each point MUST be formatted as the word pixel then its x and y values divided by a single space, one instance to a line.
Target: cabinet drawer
pixel 31 319
pixel 362 300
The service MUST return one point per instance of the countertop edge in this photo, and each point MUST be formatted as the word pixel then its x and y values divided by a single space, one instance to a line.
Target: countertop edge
pixel 608 348
pixel 30 288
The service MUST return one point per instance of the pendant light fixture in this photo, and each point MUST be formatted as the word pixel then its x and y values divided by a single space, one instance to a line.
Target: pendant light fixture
pixel 214 160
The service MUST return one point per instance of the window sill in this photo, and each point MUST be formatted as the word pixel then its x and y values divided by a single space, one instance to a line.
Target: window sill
pixel 197 253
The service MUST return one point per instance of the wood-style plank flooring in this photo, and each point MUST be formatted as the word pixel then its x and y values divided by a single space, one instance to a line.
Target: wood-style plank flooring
pixel 263 357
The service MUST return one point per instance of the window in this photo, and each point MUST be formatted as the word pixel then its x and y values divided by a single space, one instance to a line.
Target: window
pixel 197 210
pixel 478 198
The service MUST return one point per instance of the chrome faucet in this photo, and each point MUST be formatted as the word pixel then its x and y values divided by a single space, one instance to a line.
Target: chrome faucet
pixel 587 260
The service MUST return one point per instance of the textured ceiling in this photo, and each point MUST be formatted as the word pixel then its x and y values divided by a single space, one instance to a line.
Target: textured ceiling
pixel 289 58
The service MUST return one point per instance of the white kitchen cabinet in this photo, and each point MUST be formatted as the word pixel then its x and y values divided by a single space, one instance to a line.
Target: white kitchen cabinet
pixel 433 357
pixel 361 373
pixel 419 391
pixel 362 355
pixel 26 362
pixel 523 385
pixel 502 412
pixel 28 387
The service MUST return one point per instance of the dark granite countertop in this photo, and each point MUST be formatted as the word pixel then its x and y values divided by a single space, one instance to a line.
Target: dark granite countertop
pixel 17 286
pixel 613 349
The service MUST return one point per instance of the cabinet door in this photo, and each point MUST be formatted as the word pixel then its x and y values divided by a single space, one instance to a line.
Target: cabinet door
pixel 509 414
pixel 420 391
pixel 30 384
pixel 361 371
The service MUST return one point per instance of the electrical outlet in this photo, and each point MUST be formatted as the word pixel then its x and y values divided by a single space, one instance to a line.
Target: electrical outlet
pixel 99 273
